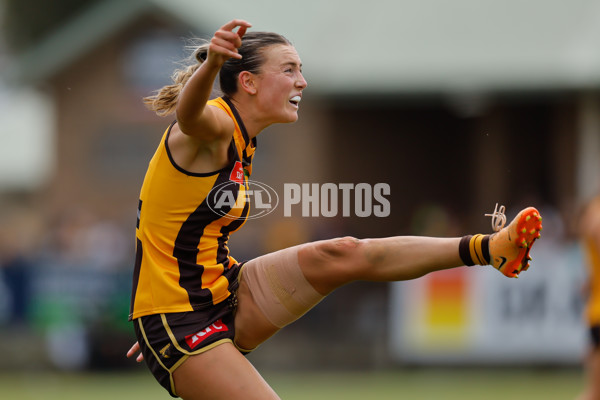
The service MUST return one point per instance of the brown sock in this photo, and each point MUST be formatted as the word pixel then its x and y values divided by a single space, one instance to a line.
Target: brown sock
pixel 474 249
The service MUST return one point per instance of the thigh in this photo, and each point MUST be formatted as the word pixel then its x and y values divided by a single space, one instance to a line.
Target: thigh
pixel 167 340
pixel 251 326
pixel 273 293
pixel 221 373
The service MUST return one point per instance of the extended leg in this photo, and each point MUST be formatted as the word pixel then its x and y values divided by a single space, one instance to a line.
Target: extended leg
pixel 278 288
pixel 330 264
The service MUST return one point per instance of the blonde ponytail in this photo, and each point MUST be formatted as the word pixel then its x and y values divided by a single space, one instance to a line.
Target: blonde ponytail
pixel 164 100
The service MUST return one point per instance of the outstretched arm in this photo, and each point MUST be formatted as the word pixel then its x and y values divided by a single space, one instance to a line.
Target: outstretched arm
pixel 193 117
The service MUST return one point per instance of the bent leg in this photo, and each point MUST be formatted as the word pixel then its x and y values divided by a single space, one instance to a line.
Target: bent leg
pixel 220 373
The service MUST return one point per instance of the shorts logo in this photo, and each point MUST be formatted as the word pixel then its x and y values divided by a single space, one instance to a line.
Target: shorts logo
pixel 163 352
pixel 237 173
pixel 197 338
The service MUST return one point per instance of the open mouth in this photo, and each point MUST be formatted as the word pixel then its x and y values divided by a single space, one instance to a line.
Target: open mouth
pixel 295 100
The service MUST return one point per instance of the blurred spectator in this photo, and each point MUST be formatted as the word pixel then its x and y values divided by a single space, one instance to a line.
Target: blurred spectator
pixel 18 233
pixel 80 290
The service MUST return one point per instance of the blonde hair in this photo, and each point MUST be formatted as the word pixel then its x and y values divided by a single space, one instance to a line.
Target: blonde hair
pixel 164 101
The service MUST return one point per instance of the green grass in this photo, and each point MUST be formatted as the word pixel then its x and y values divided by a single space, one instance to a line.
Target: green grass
pixel 419 384
pixel 434 384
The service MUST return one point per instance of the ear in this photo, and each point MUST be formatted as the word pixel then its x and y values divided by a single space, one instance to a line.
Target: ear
pixel 247 82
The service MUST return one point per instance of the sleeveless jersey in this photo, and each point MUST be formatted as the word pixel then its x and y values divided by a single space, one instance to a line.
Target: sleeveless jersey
pixel 184 221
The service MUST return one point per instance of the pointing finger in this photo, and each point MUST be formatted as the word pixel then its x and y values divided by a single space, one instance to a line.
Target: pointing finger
pixel 230 26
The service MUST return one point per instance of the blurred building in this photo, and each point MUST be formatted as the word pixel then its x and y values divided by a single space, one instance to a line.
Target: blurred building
pixel 454 104
pixel 471 103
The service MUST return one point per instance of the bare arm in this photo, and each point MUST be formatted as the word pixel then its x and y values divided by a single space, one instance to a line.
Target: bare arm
pixel 193 116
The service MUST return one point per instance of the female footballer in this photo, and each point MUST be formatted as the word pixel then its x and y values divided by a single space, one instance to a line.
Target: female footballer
pixel 196 311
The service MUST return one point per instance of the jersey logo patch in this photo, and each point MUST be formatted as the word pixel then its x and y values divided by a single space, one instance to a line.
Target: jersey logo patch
pixel 237 174
pixel 197 338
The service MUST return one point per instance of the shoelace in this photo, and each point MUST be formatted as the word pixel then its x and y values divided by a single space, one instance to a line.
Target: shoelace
pixel 498 218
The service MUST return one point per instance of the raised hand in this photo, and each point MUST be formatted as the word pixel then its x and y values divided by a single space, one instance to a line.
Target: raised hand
pixel 225 42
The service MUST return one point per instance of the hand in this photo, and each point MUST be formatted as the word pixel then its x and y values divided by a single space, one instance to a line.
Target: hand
pixel 135 349
pixel 225 42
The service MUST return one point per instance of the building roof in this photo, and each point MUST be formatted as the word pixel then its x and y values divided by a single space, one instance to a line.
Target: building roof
pixel 379 46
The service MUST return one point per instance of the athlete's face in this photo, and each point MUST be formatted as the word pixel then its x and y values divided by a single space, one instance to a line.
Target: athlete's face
pixel 280 83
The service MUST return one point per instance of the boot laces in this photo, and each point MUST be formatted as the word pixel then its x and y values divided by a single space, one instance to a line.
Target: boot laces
pixel 498 218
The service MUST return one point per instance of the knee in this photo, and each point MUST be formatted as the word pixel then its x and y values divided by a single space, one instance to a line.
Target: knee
pixel 339 248
pixel 339 254
pixel 329 264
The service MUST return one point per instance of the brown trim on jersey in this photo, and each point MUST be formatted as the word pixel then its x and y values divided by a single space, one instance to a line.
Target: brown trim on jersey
pixel 225 231
pixel 240 123
pixel 232 150
pixel 246 158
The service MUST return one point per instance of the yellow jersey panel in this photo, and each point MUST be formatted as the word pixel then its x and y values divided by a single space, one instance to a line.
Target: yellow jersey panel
pixel 184 222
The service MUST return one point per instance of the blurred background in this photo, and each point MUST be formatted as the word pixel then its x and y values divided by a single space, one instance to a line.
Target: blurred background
pixel 456 105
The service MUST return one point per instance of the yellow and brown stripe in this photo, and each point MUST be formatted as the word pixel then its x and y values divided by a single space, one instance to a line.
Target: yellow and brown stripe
pixel 474 249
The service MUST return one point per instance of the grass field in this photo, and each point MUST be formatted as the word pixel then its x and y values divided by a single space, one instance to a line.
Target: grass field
pixel 419 384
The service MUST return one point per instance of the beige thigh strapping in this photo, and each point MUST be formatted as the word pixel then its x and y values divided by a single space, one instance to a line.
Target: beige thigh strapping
pixel 279 287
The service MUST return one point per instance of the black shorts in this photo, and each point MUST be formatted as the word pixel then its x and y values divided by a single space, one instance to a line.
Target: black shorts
pixel 167 340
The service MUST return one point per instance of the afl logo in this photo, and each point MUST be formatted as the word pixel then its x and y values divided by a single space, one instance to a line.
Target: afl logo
pixel 229 199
